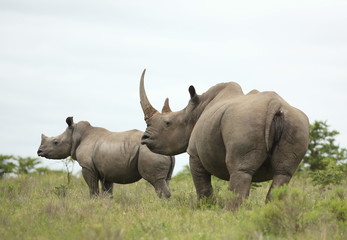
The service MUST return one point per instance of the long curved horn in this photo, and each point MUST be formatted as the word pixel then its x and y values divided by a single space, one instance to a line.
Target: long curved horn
pixel 166 107
pixel 147 108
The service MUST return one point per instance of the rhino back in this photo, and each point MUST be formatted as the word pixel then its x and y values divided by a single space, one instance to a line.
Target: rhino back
pixel 116 156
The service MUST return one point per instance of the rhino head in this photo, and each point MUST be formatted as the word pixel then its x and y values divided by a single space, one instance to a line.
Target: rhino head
pixel 168 132
pixel 58 147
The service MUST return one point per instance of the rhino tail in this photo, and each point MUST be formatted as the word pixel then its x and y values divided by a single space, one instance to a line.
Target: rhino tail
pixel 172 166
pixel 273 125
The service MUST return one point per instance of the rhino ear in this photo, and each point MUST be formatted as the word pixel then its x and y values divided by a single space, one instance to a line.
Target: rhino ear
pixel 69 121
pixel 193 96
pixel 192 91
pixel 43 136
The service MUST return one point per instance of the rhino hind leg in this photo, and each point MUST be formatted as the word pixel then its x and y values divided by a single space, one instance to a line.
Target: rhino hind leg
pixel 284 163
pixel 107 188
pixel 278 180
pixel 201 178
pixel 241 168
pixel 284 166
pixel 240 183
pixel 92 180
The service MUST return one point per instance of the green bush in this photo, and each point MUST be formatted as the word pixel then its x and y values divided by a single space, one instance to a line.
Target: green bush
pixel 322 145
pixel 6 165
pixel 337 205
pixel 284 215
pixel 332 174
pixel 26 165
pixel 18 165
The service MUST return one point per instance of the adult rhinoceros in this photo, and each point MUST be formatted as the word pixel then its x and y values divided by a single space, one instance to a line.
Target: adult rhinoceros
pixel 109 157
pixel 231 135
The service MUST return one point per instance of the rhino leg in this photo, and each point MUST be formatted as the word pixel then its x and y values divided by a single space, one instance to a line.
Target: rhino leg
pixel 201 178
pixel 107 188
pixel 241 168
pixel 284 165
pixel 289 151
pixel 278 180
pixel 240 183
pixel 92 180
pixel 162 188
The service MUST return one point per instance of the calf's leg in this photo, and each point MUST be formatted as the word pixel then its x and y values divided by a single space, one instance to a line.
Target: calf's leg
pixel 92 180
pixel 162 188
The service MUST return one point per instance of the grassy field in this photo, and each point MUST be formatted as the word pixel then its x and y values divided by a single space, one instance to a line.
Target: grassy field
pixel 44 207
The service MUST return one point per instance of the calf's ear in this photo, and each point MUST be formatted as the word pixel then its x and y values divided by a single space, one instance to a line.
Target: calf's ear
pixel 69 121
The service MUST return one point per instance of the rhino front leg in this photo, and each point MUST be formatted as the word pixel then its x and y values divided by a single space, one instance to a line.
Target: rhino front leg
pixel 162 188
pixel 201 178
pixel 92 180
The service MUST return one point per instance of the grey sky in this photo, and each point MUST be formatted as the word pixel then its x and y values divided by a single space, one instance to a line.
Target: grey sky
pixel 84 59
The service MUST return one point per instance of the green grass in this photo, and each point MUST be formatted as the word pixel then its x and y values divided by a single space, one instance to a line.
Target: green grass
pixel 44 207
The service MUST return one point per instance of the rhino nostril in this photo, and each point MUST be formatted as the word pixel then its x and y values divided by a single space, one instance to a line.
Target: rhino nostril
pixel 39 152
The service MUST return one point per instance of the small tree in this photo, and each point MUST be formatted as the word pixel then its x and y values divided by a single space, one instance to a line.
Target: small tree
pixel 17 165
pixel 322 148
pixel 6 165
pixel 69 165
pixel 26 165
pixel 332 174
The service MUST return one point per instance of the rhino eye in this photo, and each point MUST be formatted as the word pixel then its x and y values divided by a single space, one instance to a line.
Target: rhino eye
pixel 55 142
pixel 167 123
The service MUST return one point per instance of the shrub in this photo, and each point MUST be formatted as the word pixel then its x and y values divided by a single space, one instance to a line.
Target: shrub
pixel 6 165
pixel 17 165
pixel 337 205
pixel 321 146
pixel 332 174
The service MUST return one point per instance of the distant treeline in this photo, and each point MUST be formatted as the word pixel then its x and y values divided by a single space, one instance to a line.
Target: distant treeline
pixel 325 161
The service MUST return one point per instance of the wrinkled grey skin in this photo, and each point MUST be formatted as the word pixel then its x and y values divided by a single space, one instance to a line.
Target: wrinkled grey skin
pixel 109 157
pixel 238 137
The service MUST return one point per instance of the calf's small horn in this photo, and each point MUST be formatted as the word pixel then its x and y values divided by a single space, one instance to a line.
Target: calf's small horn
pixel 147 108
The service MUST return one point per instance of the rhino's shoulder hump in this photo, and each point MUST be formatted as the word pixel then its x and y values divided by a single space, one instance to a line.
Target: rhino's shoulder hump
pixel 254 91
pixel 135 131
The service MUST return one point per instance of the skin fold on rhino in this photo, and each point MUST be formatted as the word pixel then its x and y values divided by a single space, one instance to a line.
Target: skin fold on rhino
pixel 109 157
pixel 241 138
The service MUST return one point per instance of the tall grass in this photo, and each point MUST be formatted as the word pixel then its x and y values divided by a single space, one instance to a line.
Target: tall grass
pixel 45 207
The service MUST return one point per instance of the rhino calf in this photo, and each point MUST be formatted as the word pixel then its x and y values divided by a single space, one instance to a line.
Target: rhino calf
pixel 109 157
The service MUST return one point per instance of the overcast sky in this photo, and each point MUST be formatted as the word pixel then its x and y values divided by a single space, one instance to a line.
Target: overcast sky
pixel 84 59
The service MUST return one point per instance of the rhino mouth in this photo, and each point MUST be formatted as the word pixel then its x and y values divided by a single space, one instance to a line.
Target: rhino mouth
pixel 40 153
pixel 148 141
pixel 145 139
